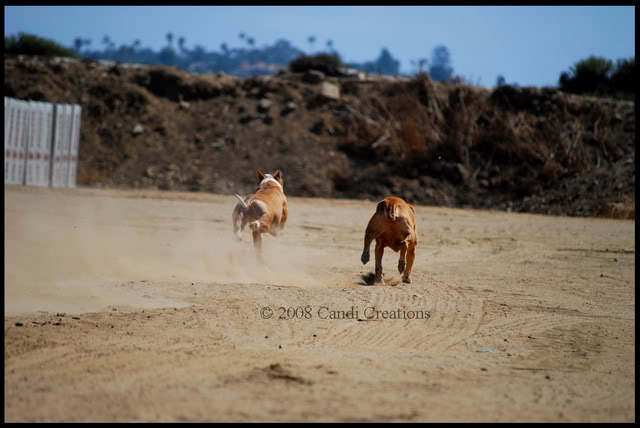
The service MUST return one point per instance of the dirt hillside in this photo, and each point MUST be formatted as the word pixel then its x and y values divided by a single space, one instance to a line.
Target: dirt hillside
pixel 361 137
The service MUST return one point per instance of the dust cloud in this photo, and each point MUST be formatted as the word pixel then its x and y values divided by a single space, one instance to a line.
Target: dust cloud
pixel 74 250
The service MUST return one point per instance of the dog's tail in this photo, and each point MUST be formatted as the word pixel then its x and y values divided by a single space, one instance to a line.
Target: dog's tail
pixel 385 209
pixel 239 212
pixel 392 212
pixel 244 204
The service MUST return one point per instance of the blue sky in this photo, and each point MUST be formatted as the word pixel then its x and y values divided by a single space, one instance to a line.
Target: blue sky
pixel 528 45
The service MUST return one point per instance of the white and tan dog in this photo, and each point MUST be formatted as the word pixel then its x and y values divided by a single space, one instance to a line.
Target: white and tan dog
pixel 393 225
pixel 265 211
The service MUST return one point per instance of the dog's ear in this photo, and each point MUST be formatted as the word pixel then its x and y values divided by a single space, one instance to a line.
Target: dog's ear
pixel 278 176
pixel 261 177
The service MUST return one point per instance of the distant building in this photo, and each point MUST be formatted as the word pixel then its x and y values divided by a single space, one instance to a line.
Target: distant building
pixel 259 68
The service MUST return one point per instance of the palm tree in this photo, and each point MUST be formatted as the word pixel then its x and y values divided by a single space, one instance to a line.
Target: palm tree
pixel 169 38
pixel 330 45
pixel 421 63
pixel 311 40
pixel 77 44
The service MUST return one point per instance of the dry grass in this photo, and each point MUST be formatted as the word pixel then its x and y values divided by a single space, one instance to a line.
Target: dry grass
pixel 420 121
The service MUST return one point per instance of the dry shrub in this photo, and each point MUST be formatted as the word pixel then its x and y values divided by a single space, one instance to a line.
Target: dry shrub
pixel 91 177
pixel 625 210
pixel 464 109
pixel 329 64
pixel 418 117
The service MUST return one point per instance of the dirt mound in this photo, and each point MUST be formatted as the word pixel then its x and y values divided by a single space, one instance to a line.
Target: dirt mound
pixel 521 149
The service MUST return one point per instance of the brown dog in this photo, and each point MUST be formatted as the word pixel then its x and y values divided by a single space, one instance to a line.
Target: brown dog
pixel 266 210
pixel 393 225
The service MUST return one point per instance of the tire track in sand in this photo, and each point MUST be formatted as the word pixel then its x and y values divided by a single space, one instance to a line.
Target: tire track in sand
pixel 449 318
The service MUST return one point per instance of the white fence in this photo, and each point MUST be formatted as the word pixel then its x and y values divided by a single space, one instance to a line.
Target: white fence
pixel 41 142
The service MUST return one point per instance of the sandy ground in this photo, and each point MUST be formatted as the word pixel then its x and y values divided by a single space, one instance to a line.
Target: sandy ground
pixel 138 306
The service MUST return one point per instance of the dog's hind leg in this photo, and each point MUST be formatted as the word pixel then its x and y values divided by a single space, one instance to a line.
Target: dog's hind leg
pixel 411 256
pixel 371 233
pixel 402 262
pixel 379 253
